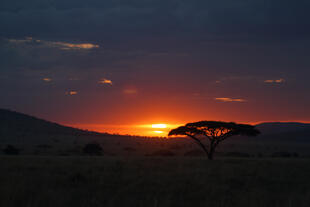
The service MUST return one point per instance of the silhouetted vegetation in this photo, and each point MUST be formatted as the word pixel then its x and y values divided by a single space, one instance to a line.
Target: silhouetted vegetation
pixel 214 132
pixel 93 149
pixel 11 150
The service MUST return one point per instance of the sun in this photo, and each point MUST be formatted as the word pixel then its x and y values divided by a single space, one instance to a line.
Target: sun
pixel 159 126
pixel 158 132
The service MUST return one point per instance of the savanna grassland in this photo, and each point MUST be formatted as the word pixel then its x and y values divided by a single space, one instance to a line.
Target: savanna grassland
pixel 37 181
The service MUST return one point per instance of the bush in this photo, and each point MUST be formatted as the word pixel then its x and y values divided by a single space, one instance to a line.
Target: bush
pixel 92 149
pixel 11 150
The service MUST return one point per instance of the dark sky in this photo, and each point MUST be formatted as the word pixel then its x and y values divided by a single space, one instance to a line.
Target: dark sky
pixel 123 62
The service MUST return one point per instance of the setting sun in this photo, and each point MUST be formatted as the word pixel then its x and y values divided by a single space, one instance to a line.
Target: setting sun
pixel 158 132
pixel 159 126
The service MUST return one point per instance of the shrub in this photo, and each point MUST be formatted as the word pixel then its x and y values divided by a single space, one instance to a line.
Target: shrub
pixel 11 150
pixel 92 149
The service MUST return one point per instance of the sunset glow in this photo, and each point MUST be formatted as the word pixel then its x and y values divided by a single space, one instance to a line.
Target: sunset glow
pixel 150 130
pixel 158 132
pixel 159 126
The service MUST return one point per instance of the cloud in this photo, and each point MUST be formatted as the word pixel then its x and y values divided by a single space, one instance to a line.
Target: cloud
pixel 105 81
pixel 71 93
pixel 47 79
pixel 235 79
pixel 281 80
pixel 230 99
pixel 72 46
pixel 53 44
pixel 21 41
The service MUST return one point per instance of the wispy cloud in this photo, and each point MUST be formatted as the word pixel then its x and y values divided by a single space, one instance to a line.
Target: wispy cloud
pixel 72 46
pixel 47 79
pixel 225 99
pixel 281 80
pixel 105 81
pixel 21 41
pixel 234 78
pixel 54 44
pixel 71 93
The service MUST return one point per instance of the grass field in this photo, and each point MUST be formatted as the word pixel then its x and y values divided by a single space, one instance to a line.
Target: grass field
pixel 151 181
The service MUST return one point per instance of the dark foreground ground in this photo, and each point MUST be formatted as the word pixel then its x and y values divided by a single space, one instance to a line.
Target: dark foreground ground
pixel 149 181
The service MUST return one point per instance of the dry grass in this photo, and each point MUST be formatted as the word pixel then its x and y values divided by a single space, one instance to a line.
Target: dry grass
pixel 149 181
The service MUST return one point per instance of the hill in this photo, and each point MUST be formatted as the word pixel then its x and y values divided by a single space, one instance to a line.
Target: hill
pixel 285 131
pixel 35 135
pixel 38 136
pixel 282 127
pixel 14 123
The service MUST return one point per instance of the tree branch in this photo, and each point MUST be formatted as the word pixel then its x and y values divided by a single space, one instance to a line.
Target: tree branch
pixel 199 143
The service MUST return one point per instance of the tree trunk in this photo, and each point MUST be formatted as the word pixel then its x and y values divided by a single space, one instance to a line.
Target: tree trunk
pixel 211 151
pixel 210 156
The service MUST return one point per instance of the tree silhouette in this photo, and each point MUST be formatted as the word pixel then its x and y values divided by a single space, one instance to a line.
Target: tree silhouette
pixel 214 132
pixel 93 149
pixel 11 150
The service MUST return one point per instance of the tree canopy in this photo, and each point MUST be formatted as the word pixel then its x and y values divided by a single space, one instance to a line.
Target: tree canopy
pixel 214 131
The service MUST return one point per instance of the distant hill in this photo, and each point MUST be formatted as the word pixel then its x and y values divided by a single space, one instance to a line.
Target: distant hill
pixel 282 127
pixel 17 123
pixel 284 131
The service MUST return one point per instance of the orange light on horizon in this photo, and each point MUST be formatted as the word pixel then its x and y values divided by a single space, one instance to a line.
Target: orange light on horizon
pixel 158 132
pixel 159 126
pixel 151 130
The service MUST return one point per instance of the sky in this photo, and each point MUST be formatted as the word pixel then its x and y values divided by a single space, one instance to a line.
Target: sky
pixel 116 63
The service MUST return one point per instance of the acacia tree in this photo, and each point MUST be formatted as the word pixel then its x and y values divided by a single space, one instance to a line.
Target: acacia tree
pixel 213 132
